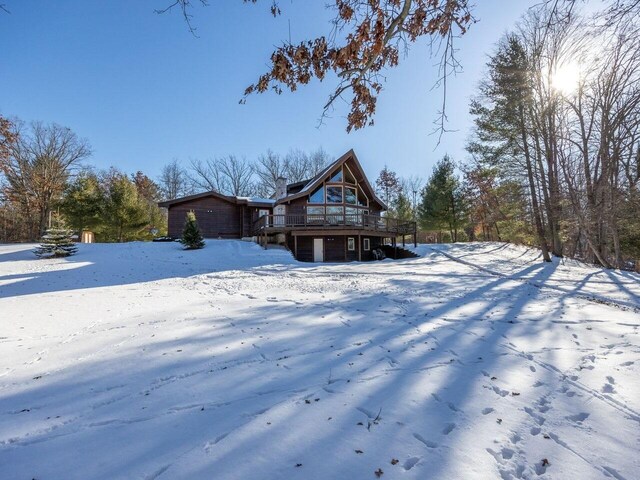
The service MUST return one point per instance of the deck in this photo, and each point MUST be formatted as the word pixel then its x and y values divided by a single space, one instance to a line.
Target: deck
pixel 303 224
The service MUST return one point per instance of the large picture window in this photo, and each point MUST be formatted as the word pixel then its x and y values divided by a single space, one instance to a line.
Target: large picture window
pixel 334 194
pixel 350 196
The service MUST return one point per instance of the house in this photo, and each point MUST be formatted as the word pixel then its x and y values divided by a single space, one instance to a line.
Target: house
pixel 335 216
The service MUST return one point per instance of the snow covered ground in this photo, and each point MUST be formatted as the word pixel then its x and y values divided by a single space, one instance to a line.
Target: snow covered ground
pixel 473 361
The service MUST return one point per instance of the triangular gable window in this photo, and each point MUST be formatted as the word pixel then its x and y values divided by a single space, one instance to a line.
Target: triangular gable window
pixel 317 196
pixel 336 177
pixel 363 201
pixel 348 176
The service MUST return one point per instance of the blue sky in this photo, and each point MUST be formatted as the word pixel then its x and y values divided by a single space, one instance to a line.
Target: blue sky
pixel 143 90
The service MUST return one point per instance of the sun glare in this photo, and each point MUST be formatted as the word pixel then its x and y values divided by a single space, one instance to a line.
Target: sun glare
pixel 566 78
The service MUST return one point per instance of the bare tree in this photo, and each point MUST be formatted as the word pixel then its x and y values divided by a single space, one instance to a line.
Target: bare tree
pixel 299 165
pixel 412 187
pixel 295 166
pixel 39 164
pixel 318 160
pixel 268 168
pixel 228 175
pixel 173 181
pixel 601 132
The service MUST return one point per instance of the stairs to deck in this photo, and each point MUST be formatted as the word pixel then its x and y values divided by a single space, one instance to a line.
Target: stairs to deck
pixel 397 252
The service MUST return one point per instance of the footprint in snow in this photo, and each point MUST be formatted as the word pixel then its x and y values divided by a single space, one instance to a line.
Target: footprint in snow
pixel 426 442
pixel 499 391
pixel 410 463
pixel 579 417
pixel 515 437
pixel 448 429
pixel 507 453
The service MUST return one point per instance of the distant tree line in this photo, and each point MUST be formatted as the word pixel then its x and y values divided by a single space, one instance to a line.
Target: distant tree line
pixel 44 171
pixel 43 174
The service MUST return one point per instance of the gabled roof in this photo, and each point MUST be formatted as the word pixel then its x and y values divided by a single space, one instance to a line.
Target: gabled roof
pixel 295 187
pixel 319 178
pixel 250 201
pixel 302 188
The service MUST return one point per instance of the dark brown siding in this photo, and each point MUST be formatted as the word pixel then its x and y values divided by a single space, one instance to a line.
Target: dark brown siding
pixel 305 248
pixel 296 207
pixel 374 242
pixel 334 249
pixel 216 217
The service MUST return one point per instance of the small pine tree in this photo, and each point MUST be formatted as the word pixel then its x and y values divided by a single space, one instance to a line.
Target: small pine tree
pixel 56 242
pixel 191 237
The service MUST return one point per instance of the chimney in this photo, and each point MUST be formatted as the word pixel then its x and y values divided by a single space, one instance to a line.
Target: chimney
pixel 281 188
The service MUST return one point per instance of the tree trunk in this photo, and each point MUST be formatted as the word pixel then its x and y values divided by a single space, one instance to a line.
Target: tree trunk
pixel 542 241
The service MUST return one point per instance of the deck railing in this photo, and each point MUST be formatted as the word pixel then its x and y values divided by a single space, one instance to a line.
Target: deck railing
pixel 318 221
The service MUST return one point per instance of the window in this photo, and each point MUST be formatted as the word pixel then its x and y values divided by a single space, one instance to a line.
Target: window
pixel 336 177
pixel 317 196
pixel 334 194
pixel 350 196
pixel 366 245
pixel 363 201
pixel 351 244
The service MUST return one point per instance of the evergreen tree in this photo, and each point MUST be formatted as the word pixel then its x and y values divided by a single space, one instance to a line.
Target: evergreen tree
pixel 443 206
pixel 191 237
pixel 149 192
pixel 82 202
pixel 125 212
pixel 402 208
pixel 56 242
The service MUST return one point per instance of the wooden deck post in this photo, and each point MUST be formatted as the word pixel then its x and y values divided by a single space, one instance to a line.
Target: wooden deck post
pixel 295 246
pixel 359 248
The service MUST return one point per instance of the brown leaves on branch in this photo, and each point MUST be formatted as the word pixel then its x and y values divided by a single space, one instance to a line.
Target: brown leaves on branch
pixel 8 137
pixel 375 32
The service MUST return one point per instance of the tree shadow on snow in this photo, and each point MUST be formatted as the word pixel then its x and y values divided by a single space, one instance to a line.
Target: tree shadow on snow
pixel 154 408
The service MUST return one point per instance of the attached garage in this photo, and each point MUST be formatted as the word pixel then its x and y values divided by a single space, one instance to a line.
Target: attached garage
pixel 219 216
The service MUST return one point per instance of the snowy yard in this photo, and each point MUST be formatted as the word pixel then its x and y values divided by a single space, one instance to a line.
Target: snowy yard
pixel 141 361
